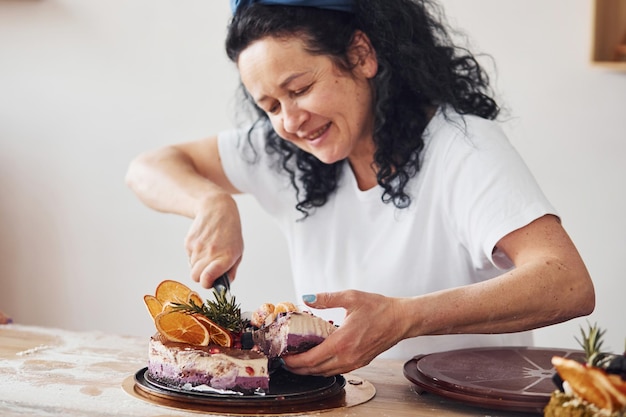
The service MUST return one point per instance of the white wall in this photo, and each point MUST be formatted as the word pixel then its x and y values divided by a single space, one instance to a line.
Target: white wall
pixel 87 85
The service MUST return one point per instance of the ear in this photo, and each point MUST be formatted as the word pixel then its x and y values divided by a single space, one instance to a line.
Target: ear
pixel 362 55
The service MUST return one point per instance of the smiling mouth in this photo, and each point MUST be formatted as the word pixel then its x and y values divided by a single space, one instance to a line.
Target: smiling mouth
pixel 319 132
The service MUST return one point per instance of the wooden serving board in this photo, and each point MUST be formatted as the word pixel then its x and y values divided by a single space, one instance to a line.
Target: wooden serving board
pixel 355 391
pixel 509 378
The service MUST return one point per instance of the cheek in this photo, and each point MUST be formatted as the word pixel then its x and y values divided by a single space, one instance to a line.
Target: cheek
pixel 329 99
pixel 342 98
pixel 277 125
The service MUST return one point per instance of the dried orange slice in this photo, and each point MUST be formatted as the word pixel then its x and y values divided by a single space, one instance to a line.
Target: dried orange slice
pixel 180 327
pixel 589 383
pixel 618 383
pixel 195 298
pixel 154 305
pixel 217 334
pixel 172 291
pixel 167 307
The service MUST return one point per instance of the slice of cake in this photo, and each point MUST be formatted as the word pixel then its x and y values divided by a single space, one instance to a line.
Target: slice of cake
pixel 207 368
pixel 208 346
pixel 292 332
pixel 596 388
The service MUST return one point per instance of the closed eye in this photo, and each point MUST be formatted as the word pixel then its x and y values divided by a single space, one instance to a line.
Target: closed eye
pixel 301 91
pixel 274 108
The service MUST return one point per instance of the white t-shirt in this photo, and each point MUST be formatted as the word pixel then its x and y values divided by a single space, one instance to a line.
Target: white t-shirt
pixel 472 190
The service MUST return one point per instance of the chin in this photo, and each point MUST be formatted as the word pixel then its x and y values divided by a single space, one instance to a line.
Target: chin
pixel 326 158
pixel 327 161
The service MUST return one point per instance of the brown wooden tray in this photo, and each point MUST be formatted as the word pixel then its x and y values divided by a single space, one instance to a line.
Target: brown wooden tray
pixel 343 391
pixel 503 378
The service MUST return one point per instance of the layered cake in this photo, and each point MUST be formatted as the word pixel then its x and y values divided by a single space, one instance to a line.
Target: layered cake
pixel 207 346
pixel 595 388
pixel 207 368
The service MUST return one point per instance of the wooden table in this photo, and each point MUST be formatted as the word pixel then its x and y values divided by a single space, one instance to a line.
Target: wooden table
pixel 53 372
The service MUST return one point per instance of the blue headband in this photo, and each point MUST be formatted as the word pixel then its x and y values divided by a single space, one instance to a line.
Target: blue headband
pixel 340 5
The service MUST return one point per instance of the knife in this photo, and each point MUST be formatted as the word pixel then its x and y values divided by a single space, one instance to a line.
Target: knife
pixel 222 285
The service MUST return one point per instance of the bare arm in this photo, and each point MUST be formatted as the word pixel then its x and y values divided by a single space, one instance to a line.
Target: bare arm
pixel 549 284
pixel 176 179
pixel 188 179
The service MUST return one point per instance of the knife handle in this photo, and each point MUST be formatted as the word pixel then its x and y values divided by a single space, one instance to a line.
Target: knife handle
pixel 222 284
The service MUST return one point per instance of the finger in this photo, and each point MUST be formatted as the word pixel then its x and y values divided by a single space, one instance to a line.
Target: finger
pixel 232 272
pixel 208 275
pixel 196 267
pixel 330 367
pixel 193 246
pixel 212 271
pixel 193 267
pixel 196 270
pixel 344 299
pixel 312 363
pixel 330 357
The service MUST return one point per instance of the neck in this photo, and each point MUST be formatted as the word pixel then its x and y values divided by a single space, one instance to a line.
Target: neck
pixel 365 177
pixel 363 167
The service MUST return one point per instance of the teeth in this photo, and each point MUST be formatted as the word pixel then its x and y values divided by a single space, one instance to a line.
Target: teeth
pixel 318 132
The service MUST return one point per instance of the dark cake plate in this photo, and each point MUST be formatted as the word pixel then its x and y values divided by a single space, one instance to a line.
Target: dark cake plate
pixel 288 392
pixel 503 378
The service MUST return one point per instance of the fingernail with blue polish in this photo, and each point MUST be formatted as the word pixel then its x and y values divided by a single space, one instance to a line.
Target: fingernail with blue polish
pixel 309 298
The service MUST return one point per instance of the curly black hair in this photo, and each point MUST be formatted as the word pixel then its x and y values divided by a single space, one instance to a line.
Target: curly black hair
pixel 419 68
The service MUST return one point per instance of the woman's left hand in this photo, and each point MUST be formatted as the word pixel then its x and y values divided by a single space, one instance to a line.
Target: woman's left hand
pixel 372 325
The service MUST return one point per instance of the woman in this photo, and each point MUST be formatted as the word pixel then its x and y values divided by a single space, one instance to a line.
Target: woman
pixel 402 202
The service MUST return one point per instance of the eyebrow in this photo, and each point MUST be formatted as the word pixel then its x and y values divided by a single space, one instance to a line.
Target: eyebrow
pixel 283 84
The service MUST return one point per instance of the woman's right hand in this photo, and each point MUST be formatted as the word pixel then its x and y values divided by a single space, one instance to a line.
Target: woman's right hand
pixel 214 242
pixel 188 179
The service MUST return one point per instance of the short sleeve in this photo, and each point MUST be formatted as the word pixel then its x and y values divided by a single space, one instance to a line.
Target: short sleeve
pixel 491 191
pixel 252 171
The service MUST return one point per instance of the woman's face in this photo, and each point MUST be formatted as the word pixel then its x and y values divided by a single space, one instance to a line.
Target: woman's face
pixel 309 100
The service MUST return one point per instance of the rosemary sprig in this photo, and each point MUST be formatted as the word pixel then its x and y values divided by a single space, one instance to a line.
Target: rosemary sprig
pixel 223 311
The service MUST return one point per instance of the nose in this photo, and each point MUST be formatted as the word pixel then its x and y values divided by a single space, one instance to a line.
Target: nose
pixel 293 117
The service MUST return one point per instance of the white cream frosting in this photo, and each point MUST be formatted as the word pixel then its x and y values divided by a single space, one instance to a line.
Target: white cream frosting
pixel 222 367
